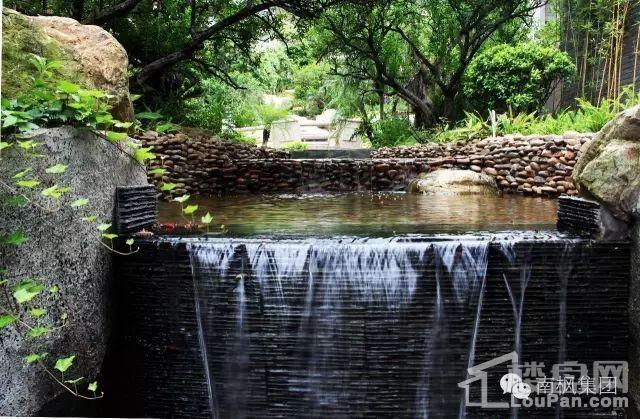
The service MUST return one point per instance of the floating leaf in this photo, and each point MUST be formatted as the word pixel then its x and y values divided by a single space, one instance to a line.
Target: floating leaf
pixel 38 331
pixel 207 218
pixel 168 187
pixel 31 183
pixel 21 173
pixel 157 171
pixel 16 238
pixel 104 227
pixel 116 136
pixel 6 320
pixel 26 290
pixel 190 209
pixel 109 236
pixel 37 312
pixel 63 364
pixel 31 358
pixel 182 199
pixel 56 168
pixel 129 242
pixel 93 386
pixel 74 381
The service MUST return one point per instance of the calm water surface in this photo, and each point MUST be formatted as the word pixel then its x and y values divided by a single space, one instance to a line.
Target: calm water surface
pixel 367 214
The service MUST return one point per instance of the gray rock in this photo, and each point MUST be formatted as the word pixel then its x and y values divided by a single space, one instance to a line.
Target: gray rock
pixel 454 182
pixel 63 250
pixel 609 167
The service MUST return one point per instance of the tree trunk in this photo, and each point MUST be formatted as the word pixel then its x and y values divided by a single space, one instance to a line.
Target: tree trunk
pixel 77 9
pixel 266 133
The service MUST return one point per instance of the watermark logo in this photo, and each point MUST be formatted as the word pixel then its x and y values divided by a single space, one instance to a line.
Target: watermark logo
pixel 570 384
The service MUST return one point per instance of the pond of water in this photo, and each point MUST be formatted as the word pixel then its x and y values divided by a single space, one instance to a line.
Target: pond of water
pixel 368 214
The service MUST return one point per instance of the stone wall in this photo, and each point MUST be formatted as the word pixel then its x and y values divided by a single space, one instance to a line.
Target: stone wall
pixel 540 165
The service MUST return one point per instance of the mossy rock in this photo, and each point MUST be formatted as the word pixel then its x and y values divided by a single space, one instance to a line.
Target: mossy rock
pixel 89 55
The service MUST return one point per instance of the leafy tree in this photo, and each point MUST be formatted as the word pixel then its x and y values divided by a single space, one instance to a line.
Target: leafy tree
pixel 519 78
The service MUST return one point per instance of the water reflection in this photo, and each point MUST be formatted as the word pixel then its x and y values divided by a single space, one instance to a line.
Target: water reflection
pixel 365 214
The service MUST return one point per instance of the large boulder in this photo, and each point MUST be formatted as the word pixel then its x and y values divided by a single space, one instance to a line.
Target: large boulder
pixel 63 250
pixel 454 182
pixel 609 166
pixel 90 56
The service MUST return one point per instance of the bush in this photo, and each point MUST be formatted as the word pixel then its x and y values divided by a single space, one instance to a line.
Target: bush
pixel 516 78
pixel 296 146
pixel 391 132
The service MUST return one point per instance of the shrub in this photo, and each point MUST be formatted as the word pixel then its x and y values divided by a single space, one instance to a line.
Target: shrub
pixel 391 132
pixel 517 78
pixel 296 146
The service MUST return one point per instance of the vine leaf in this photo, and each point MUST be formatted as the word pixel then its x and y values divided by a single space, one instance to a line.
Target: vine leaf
pixel 109 236
pixel 81 202
pixel 144 154
pixel 31 358
pixel 28 144
pixel 90 218
pixel 30 183
pixel 27 290
pixel 53 289
pixel 63 364
pixel 74 381
pixel 129 242
pixel 182 199
pixel 16 238
pixel 207 219
pixel 4 145
pixel 190 209
pixel 37 312
pixel 93 386
pixel 104 227
pixel 6 320
pixel 21 173
pixel 54 191
pixel 168 187
pixel 38 331
pixel 56 168
pixel 116 136
pixel 157 171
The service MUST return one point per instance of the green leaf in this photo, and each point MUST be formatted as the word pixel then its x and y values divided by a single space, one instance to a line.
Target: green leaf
pixel 125 125
pixel 16 238
pixel 27 290
pixel 38 331
pixel 104 227
pixel 4 145
pixel 129 242
pixel 56 168
pixel 116 136
pixel 93 386
pixel 157 171
pixel 14 200
pixel 68 87
pixel 79 203
pixel 21 173
pixel 54 191
pixel 37 312
pixel 9 120
pixel 63 364
pixel 90 218
pixel 144 154
pixel 207 218
pixel 30 184
pixel 6 320
pixel 162 128
pixel 168 187
pixel 148 115
pixel 109 236
pixel 53 289
pixel 28 144
pixel 31 358
pixel 182 199
pixel 74 381
pixel 190 209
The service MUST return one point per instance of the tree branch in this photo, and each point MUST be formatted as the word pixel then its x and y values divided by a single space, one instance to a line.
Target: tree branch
pixel 112 12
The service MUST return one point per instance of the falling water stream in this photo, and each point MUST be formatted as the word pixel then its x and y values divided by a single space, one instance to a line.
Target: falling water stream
pixel 362 327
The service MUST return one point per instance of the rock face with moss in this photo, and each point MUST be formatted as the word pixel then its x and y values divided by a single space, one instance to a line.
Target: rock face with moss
pixel 63 250
pixel 88 54
pixel 454 182
pixel 609 166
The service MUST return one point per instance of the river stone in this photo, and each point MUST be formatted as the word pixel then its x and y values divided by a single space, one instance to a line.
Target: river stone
pixel 454 182
pixel 609 167
pixel 62 249
pixel 90 56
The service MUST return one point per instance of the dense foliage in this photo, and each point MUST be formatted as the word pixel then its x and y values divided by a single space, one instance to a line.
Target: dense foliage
pixel 515 77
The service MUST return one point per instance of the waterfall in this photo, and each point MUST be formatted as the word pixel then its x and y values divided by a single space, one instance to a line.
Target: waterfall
pixel 358 326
